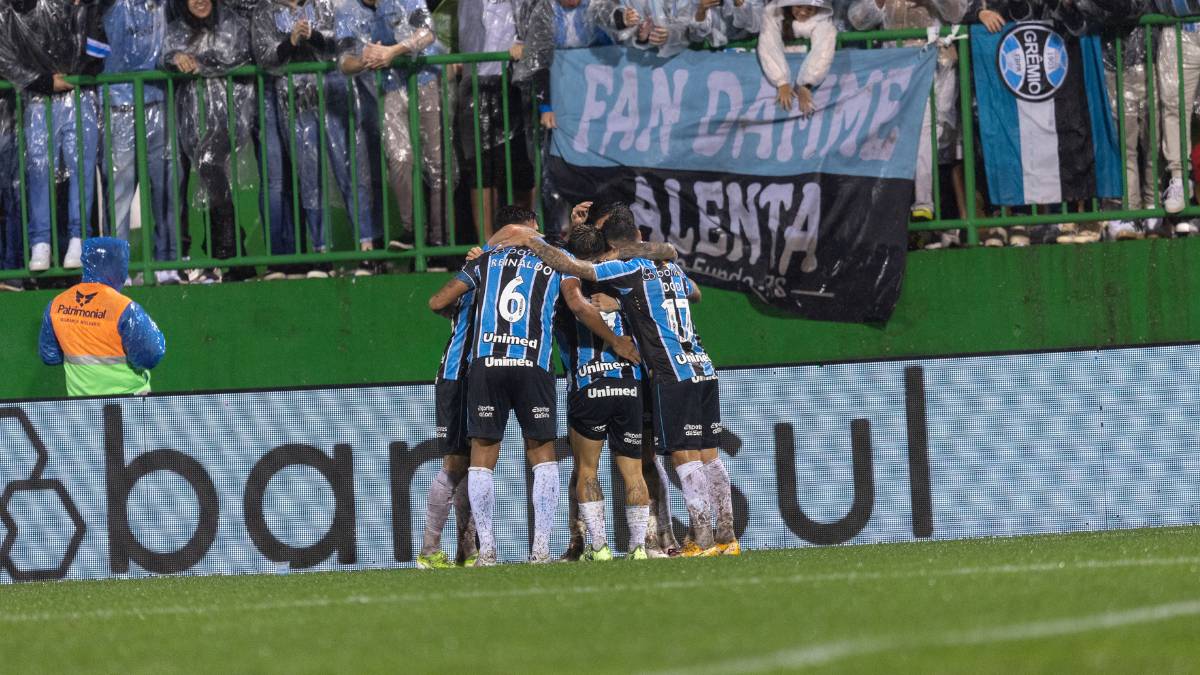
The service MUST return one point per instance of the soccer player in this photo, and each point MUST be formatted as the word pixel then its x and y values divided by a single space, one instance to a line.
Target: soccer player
pixel 656 300
pixel 450 397
pixel 604 401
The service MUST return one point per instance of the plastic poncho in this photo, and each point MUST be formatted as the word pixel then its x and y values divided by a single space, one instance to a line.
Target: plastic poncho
pixel 136 30
pixel 487 26
pixel 219 44
pixel 896 14
pixel 39 38
pixel 818 29
pixel 535 30
pixel 677 16
pixel 106 341
pixel 389 22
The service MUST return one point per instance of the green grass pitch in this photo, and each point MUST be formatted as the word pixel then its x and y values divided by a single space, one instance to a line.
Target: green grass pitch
pixel 1124 601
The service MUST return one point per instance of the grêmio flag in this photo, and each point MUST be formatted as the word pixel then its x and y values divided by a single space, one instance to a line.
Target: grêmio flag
pixel 808 213
pixel 1045 125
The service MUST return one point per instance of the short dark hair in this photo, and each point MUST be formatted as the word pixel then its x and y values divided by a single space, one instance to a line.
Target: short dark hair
pixel 586 242
pixel 511 214
pixel 620 225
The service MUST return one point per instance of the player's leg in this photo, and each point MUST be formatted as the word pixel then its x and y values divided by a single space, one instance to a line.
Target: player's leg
pixel 720 490
pixel 534 400
pixel 660 536
pixel 451 432
pixel 488 406
pixel 625 443
pixel 677 419
pixel 587 490
pixel 578 530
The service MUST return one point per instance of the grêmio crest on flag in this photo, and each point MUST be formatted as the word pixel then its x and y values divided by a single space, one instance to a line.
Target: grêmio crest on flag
pixel 807 213
pixel 1045 122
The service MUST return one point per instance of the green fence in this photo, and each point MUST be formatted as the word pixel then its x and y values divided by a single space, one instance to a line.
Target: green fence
pixel 252 204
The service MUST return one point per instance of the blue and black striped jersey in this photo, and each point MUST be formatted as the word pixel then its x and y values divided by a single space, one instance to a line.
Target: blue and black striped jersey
pixel 457 356
pixel 515 297
pixel 584 355
pixel 654 300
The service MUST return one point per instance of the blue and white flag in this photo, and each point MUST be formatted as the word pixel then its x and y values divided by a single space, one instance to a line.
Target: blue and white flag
pixel 1046 127
pixel 807 212
pixel 97 49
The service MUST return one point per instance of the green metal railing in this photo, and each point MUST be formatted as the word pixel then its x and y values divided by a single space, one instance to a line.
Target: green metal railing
pixel 346 226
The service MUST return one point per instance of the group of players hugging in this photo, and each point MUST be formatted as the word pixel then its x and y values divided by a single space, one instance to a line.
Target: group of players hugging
pixel 638 377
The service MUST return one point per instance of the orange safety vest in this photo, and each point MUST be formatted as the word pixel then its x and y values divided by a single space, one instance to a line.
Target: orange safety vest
pixel 85 319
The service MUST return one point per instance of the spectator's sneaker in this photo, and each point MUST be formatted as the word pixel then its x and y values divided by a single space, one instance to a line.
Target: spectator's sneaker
pixel 995 237
pixel 167 278
pixel 945 239
pixel 11 286
pixel 1087 236
pixel 39 261
pixel 1173 198
pixel 1067 234
pixel 316 273
pixel 434 561
pixel 1185 228
pixel 1018 236
pixel 364 269
pixel 1154 227
pixel 638 553
pixel 1122 230
pixel 275 274
pixel 207 277
pixel 922 213
pixel 74 252
pixel 403 243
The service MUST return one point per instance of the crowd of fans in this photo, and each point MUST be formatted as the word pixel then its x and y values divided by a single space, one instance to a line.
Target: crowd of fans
pixel 355 119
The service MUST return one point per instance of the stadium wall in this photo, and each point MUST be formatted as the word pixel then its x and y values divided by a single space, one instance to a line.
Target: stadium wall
pixel 854 453
pixel 378 330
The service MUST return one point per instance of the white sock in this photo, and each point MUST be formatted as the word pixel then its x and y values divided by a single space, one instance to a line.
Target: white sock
pixel 637 516
pixel 593 516
pixel 545 504
pixel 695 493
pixel 483 502
pixel 437 509
pixel 662 504
pixel 721 499
pixel 464 522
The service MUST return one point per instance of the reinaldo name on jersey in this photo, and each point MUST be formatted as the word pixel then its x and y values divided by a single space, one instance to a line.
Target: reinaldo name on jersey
pixel 527 259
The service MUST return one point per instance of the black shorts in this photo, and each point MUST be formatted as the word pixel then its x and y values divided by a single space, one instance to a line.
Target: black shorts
pixel 493 392
pixel 609 409
pixel 687 415
pixel 451 399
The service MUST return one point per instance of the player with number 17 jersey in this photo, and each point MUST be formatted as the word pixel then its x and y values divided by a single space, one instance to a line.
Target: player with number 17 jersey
pixel 515 296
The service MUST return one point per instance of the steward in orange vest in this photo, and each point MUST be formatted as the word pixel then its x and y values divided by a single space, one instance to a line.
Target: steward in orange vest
pixel 106 342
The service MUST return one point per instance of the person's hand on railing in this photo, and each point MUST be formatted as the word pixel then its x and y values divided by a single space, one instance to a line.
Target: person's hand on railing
pixel 704 6
pixel 549 121
pixel 186 63
pixel 376 56
pixel 516 52
pixel 992 21
pixel 61 84
pixel 301 32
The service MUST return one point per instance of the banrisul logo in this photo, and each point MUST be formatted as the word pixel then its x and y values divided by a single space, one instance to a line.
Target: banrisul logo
pixel 42 526
pixel 1033 61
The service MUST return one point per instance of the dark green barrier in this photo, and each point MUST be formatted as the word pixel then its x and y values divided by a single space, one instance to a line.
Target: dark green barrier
pixel 342 331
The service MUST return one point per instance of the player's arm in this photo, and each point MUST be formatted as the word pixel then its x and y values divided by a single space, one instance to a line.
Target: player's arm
pixel 571 292
pixel 649 250
pixel 553 256
pixel 48 347
pixel 448 295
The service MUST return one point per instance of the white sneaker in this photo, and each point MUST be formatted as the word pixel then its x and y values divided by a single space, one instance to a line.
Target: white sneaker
pixel 167 278
pixel 1067 234
pixel 1018 237
pixel 317 274
pixel 1173 197
pixel 74 252
pixel 1185 228
pixel 1087 237
pixel 40 260
pixel 1120 230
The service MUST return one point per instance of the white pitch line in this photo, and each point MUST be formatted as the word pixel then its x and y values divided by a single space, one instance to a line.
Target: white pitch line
pixel 821 654
pixel 682 584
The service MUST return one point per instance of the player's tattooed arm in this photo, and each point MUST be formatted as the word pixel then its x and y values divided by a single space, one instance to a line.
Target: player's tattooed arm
pixel 650 250
pixel 561 260
pixel 572 293
pixel 446 297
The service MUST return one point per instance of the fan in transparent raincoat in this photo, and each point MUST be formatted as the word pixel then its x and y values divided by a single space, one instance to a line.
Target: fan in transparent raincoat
pixel 667 26
pixel 370 37
pixel 40 42
pixel 209 41
pixel 287 32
